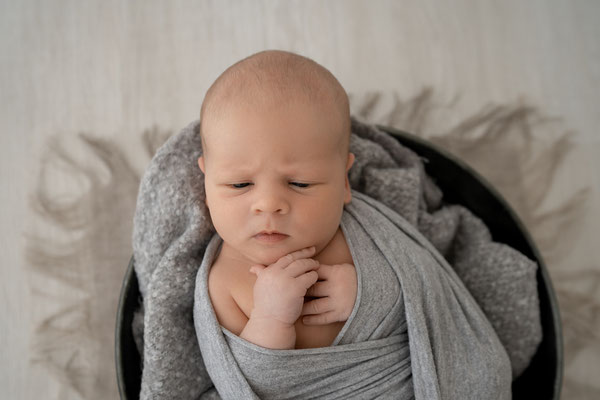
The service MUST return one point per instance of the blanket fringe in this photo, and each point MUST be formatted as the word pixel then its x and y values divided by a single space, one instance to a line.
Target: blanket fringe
pixel 76 253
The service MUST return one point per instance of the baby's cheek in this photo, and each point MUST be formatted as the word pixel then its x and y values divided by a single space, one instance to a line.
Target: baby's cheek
pixel 221 223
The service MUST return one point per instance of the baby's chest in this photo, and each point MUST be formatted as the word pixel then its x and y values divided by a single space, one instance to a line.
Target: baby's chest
pixel 307 336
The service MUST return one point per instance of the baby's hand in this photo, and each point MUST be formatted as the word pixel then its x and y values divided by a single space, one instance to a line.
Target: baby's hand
pixel 336 292
pixel 280 288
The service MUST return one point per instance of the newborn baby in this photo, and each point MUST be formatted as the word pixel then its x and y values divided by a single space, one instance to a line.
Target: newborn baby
pixel 275 131
pixel 310 290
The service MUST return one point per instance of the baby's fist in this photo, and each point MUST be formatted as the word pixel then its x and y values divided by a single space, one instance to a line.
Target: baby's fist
pixel 336 294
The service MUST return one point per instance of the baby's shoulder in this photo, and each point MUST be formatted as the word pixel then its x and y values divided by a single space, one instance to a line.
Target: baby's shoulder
pixel 225 289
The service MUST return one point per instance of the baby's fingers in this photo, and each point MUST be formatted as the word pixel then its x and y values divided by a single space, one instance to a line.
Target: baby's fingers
pixel 296 255
pixel 300 267
pixel 320 319
pixel 317 306
pixel 319 289
pixel 256 269
pixel 307 280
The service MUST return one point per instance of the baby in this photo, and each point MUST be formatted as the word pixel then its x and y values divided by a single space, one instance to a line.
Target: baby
pixel 275 131
pixel 304 293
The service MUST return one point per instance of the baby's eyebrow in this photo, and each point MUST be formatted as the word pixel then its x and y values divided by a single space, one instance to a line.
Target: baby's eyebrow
pixel 230 176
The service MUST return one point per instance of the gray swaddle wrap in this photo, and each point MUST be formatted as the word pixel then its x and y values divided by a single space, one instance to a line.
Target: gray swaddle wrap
pixel 172 230
pixel 405 289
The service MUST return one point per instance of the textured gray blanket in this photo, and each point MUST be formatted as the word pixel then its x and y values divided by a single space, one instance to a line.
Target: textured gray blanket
pixel 405 290
pixel 172 230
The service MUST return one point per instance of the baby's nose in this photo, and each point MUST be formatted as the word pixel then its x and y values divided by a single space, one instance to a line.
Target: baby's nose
pixel 271 202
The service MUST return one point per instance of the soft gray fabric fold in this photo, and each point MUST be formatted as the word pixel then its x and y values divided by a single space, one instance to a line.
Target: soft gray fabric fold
pixel 172 229
pixel 406 289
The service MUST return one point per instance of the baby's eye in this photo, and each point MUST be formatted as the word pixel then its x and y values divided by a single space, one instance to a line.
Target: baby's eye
pixel 300 185
pixel 240 185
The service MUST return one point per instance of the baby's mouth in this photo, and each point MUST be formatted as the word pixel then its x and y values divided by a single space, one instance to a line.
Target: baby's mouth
pixel 270 237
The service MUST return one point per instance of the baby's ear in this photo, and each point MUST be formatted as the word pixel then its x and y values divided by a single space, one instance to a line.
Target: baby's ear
pixel 347 189
pixel 349 162
pixel 201 165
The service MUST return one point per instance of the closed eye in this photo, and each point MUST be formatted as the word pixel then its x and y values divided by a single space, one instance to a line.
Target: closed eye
pixel 240 185
pixel 300 184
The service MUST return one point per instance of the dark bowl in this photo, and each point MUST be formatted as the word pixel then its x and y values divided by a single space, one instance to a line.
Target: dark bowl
pixel 461 185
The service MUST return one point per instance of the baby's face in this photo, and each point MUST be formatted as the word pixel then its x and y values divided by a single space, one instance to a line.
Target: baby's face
pixel 276 180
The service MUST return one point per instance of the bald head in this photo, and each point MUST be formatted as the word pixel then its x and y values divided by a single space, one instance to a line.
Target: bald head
pixel 274 79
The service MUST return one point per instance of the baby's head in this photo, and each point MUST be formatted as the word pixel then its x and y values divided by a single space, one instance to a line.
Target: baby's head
pixel 275 134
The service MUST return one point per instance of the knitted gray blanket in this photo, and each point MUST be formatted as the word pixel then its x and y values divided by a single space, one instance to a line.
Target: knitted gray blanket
pixel 172 230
